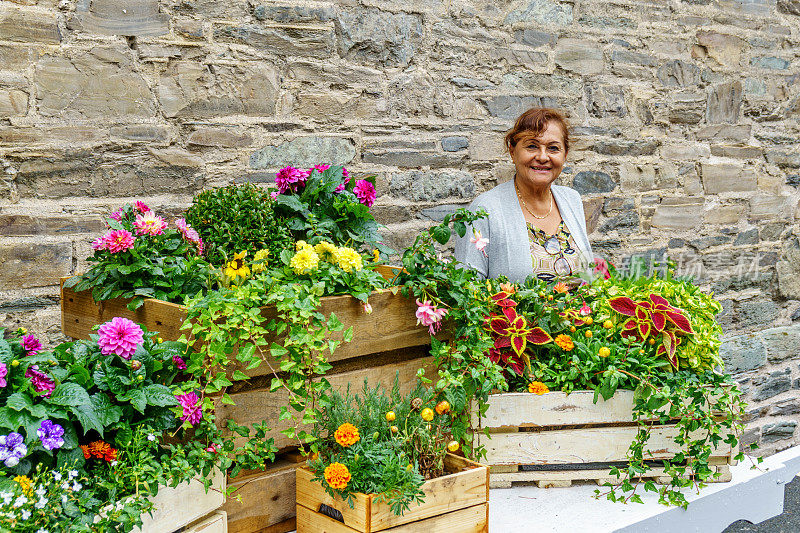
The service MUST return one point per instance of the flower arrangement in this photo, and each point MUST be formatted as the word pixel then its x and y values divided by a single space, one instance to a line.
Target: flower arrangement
pixel 141 256
pixel 379 442
pixel 81 426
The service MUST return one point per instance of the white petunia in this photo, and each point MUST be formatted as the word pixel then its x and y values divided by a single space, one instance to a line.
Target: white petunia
pixel 65 486
pixel 57 476
pixel 76 486
pixel 151 437
pixel 20 501
pixel 25 514
pixel 42 530
pixel 7 496
pixel 73 474
pixel 41 503
pixel 41 491
pixel 64 498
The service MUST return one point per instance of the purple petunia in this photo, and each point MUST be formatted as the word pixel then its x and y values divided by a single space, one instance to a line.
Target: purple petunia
pixel 41 381
pixel 51 435
pixel 30 344
pixel 12 449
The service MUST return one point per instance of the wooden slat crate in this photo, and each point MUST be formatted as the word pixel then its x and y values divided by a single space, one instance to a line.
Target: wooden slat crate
pixel 263 501
pixel 216 522
pixel 554 439
pixel 457 502
pixel 175 507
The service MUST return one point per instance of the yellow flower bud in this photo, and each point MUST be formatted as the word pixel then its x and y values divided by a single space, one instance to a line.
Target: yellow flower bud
pixel 427 414
pixel 588 334
pixel 608 324
pixel 390 416
pixel 604 352
pixel 452 446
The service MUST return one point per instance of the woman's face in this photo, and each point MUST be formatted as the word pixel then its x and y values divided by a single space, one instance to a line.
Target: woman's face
pixel 540 161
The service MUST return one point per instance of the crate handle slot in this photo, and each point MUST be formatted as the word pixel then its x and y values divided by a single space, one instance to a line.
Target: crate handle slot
pixel 330 512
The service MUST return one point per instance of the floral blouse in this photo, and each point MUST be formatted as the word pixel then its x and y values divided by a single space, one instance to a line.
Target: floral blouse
pixel 554 257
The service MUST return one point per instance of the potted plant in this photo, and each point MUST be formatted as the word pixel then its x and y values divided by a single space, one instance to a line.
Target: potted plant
pixel 384 460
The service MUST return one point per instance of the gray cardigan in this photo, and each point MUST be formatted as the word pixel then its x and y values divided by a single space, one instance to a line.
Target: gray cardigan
pixel 508 252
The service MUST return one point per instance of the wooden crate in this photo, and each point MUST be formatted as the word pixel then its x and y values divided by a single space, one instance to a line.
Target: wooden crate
pixel 554 439
pixel 176 507
pixel 457 502
pixel 216 522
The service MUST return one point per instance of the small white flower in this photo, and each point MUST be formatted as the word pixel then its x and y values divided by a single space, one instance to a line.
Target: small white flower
pixel 41 491
pixel 65 486
pixel 57 476
pixel 73 474
pixel 41 503
pixel 25 514
pixel 7 497
pixel 42 530
pixel 118 506
pixel 20 501
pixel 114 463
pixel 76 486
pixel 63 498
pixel 151 437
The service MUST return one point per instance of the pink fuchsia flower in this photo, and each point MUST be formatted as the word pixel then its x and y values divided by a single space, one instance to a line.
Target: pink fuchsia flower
pixel 141 207
pixel 119 336
pixel 479 241
pixel 30 344
pixel 365 192
pixel 290 179
pixel 149 224
pixel 601 267
pixel 119 240
pixel 428 315
pixel 3 374
pixel 41 381
pixel 179 363
pixel 192 410
pixel 367 308
pixel 585 310
pixel 211 448
pixel 51 435
pixel 99 243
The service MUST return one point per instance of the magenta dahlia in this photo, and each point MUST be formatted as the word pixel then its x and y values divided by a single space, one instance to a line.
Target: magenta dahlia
pixel 119 336
pixel 30 344
pixel 290 179
pixel 119 240
pixel 141 207
pixel 41 381
pixel 192 410
pixel 365 192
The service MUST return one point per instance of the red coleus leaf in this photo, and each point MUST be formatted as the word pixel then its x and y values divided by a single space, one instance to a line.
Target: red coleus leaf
pixel 518 344
pixel 680 321
pixel 539 336
pixel 502 299
pixel 670 343
pixel 502 342
pixel 659 300
pixel 642 314
pixel 659 321
pixel 499 325
pixel 623 305
pixel 519 323
pixel 644 329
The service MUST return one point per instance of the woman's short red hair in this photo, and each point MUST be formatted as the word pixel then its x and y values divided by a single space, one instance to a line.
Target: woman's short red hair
pixel 533 122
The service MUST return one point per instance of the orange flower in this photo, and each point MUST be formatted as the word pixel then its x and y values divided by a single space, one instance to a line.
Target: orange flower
pixel 99 448
pixel 110 455
pixel 537 387
pixel 508 288
pixel 561 287
pixel 86 453
pixel 337 475
pixel 564 342
pixel 347 434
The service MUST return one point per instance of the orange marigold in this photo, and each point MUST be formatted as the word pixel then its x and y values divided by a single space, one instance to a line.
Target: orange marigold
pixel 537 387
pixel 86 453
pixel 564 342
pixel 110 455
pixel 337 475
pixel 347 434
pixel 561 287
pixel 99 448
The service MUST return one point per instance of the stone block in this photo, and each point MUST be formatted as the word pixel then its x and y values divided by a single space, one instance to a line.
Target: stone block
pixel 747 237
pixel 305 152
pixel 510 107
pixel 579 56
pixel 218 138
pixel 724 49
pixel 749 7
pixel 726 177
pixel 593 181
pixel 634 58
pixel 677 73
pixel 312 41
pixel 27 225
pixel 455 143
pixel 772 232
pixel 289 13
pixel 392 214
pixel 785 408
pixel 785 159
pixel 390 39
pixel 137 18
pixel 629 147
pixel 770 63
pixel 214 9
pixel 13 102
pixel 176 156
pixel 419 186
pixel 765 207
pixel 143 133
pixel 27 265
pixel 790 7
pixel 753 312
pixel 542 83
pixel 547 13
pixel 685 151
pixel 627 222
pixel 438 212
pixel 534 38
pixel 724 103
pixel 592 207
pixel 28 303
pixel 99 84
pixel 737 151
pixel 28 24
pixel 711 241
pixel 788 279
pixel 778 431
pixel 487 148
pixel 687 108
pixel 606 100
pixel 782 343
pixel 471 83
pixel 680 217
pixel 412 158
pixel 739 132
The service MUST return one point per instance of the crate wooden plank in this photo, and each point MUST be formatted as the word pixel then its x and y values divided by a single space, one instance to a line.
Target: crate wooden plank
pixel 216 522
pixel 585 445
pixel 259 405
pixel 261 500
pixel 310 495
pixel 178 506
pixel 309 521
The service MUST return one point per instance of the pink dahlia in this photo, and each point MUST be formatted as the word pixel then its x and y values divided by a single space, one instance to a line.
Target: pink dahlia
pixel 119 240
pixel 41 381
pixel 321 167
pixel 290 179
pixel 192 410
pixel 3 374
pixel 365 192
pixel 99 243
pixel 181 224
pixel 343 185
pixel 30 344
pixel 428 315
pixel 117 215
pixel 179 363
pixel 601 267
pixel 190 234
pixel 119 336
pixel 150 224
pixel 141 207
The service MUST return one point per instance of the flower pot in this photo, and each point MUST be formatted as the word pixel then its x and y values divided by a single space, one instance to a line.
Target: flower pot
pixel 457 502
pixel 555 438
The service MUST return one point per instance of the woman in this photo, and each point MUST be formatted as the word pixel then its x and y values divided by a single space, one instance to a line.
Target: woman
pixel 533 227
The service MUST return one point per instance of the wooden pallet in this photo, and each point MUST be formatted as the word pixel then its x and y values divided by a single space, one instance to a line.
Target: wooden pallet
pixel 457 503
pixel 176 507
pixel 565 438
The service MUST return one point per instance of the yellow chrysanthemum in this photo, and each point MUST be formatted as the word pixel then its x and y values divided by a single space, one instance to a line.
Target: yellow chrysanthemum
pixel 337 475
pixel 347 434
pixel 304 261
pixel 299 245
pixel 564 342
pixel 348 259
pixel 237 267
pixel 537 387
pixel 25 484
pixel 326 251
pixel 376 255
pixel 260 261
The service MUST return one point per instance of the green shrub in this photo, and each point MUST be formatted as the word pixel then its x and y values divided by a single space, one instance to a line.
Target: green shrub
pixel 235 218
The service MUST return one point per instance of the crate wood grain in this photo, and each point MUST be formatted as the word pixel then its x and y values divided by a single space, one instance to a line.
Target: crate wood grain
pixel 391 326
pixel 455 502
pixel 569 432
pixel 216 522
pixel 263 501
pixel 175 507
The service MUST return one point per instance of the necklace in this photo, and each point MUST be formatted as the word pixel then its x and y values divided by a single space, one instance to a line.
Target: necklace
pixel 534 215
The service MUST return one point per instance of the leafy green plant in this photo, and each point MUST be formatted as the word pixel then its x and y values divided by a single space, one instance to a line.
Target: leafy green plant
pixel 238 218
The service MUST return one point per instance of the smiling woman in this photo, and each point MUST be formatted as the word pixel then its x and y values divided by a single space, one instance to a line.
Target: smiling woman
pixel 533 226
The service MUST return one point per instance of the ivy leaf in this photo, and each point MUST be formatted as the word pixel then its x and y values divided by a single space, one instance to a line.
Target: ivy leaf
pixel 441 234
pixel 160 395
pixel 69 395
pixel 238 375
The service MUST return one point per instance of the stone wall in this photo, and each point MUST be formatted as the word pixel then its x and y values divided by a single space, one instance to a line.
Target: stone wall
pixel 685 119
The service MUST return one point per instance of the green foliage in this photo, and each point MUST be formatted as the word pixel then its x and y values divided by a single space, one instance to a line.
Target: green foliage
pixel 235 218
pixel 165 267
